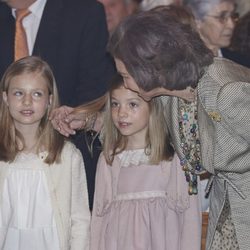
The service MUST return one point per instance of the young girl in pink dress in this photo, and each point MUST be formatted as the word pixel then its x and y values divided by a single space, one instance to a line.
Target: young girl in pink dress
pixel 141 199
pixel 43 191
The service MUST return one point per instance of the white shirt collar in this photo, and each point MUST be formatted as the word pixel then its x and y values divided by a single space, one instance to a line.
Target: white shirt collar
pixel 36 8
pixel 220 53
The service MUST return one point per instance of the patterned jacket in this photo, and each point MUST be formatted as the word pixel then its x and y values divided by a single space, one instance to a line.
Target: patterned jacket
pixel 224 131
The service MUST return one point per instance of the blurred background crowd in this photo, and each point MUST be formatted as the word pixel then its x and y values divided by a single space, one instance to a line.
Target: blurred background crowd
pixel 223 25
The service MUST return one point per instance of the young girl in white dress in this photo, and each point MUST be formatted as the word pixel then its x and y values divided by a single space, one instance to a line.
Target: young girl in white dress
pixel 43 192
pixel 141 198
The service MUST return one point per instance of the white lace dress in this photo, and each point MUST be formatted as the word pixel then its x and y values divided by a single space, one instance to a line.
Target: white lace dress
pixel 26 216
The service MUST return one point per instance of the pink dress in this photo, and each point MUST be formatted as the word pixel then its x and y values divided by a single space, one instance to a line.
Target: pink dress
pixel 138 206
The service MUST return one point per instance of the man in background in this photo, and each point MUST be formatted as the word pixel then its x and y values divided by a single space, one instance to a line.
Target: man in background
pixel 117 10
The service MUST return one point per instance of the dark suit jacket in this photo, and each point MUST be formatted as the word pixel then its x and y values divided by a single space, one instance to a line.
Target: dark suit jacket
pixel 72 38
pixel 236 57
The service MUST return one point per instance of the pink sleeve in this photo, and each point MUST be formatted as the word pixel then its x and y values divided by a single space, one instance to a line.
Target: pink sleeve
pixel 192 225
pixel 186 207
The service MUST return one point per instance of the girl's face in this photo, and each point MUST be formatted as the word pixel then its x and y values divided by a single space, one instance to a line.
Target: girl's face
pixel 130 114
pixel 28 99
pixel 217 27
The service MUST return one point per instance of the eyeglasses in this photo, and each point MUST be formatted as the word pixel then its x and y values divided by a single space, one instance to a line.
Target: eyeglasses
pixel 224 16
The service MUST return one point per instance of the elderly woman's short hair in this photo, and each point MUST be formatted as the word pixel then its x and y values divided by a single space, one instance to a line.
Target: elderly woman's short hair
pixel 200 8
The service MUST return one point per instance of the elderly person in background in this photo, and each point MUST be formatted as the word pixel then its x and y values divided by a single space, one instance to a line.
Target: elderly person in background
pixel 215 21
pixel 117 10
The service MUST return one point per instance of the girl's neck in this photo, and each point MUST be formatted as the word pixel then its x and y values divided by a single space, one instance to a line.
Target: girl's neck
pixel 30 141
pixel 135 145
pixel 30 148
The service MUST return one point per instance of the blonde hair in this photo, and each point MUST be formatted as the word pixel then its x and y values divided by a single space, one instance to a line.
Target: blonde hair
pixel 48 138
pixel 90 109
pixel 157 139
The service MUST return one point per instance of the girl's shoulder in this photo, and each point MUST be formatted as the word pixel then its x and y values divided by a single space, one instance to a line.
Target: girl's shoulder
pixel 69 147
pixel 70 150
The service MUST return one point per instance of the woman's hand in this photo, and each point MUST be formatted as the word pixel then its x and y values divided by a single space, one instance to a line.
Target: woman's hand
pixel 60 121
pixel 67 120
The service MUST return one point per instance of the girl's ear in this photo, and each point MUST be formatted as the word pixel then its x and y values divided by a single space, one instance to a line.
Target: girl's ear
pixel 5 98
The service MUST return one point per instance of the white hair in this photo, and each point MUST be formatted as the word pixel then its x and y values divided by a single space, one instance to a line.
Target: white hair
pixel 200 8
pixel 149 4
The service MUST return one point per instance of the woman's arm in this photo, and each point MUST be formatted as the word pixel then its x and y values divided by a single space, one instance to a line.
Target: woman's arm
pixel 58 118
pixel 67 120
pixel 186 207
pixel 234 105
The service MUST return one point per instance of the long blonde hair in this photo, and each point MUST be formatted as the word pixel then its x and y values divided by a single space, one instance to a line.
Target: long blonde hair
pixel 157 139
pixel 10 138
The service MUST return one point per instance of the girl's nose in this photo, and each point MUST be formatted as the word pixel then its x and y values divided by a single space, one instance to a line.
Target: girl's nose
pixel 122 112
pixel 27 100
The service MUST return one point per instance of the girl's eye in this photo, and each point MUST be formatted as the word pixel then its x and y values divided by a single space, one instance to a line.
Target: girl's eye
pixel 114 104
pixel 133 105
pixel 18 93
pixel 37 94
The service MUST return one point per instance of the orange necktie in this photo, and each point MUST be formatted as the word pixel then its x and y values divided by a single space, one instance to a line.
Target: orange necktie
pixel 21 45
